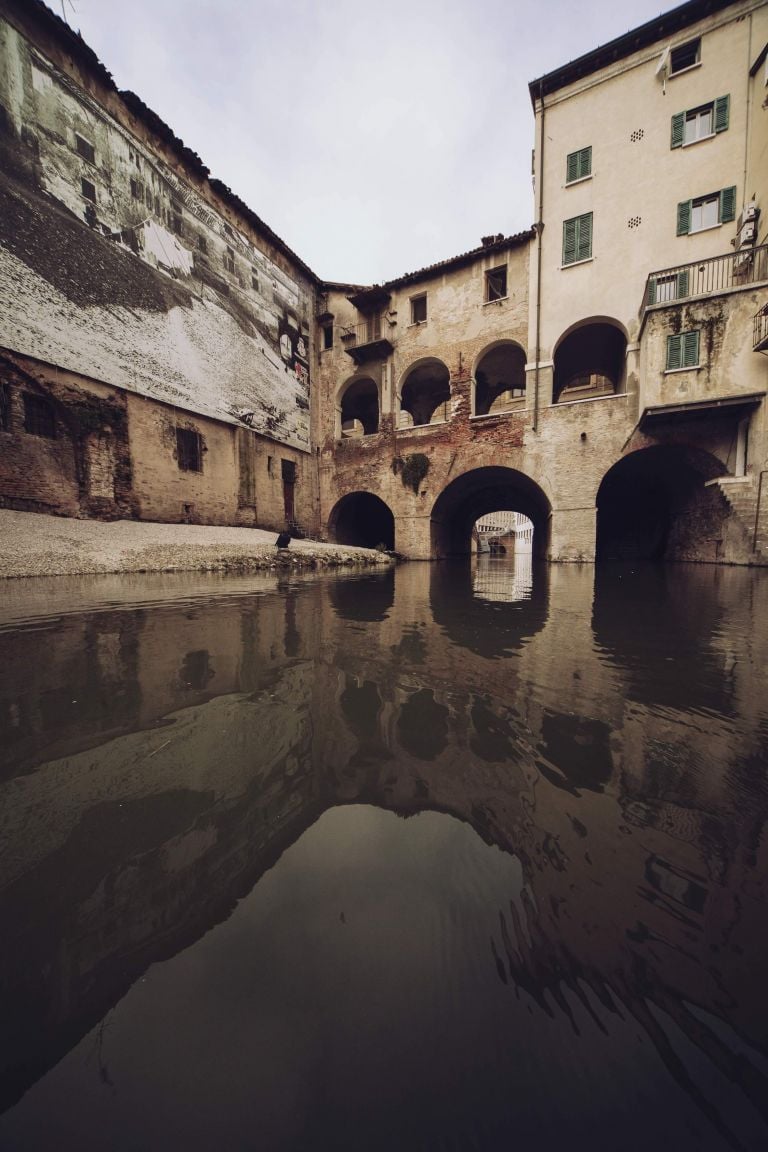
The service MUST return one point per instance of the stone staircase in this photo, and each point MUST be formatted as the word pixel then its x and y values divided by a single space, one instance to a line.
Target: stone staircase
pixel 742 494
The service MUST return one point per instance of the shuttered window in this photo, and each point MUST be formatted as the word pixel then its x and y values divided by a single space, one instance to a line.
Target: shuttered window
pixel 670 287
pixel 683 351
pixel 706 211
pixel 699 123
pixel 577 238
pixel 578 165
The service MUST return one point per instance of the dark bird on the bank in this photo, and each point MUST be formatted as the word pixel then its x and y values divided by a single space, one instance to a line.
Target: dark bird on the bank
pixel 283 540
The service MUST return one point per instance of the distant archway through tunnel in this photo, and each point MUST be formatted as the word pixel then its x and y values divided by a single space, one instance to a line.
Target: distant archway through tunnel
pixel 362 519
pixel 484 490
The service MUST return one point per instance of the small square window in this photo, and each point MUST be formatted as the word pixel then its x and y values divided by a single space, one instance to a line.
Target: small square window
pixel 496 283
pixel 202 244
pixel 698 124
pixel 137 192
pixel 89 190
pixel 85 149
pixel 39 416
pixel 685 56
pixel 705 212
pixel 189 450
pixel 683 351
pixel 578 165
pixel 327 337
pixel 419 310
pixel 254 280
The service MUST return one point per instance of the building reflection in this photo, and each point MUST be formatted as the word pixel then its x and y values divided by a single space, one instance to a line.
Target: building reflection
pixel 157 762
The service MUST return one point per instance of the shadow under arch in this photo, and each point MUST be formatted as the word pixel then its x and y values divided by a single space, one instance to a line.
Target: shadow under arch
pixel 589 359
pixel 368 597
pixel 478 492
pixel 498 378
pixel 651 504
pixel 424 392
pixel 363 520
pixel 358 404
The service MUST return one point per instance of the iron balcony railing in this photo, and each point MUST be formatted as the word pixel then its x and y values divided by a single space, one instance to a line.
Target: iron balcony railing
pixel 706 277
pixel 760 330
pixel 368 332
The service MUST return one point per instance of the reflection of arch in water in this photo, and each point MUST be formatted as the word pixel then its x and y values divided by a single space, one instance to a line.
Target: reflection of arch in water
pixel 490 628
pixel 649 501
pixel 362 519
pixel 484 490
pixel 368 597
pixel 649 622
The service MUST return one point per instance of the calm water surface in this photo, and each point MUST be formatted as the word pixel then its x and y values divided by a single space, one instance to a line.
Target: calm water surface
pixel 444 858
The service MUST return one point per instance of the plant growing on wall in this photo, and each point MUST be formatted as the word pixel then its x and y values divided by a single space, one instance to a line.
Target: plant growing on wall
pixel 412 469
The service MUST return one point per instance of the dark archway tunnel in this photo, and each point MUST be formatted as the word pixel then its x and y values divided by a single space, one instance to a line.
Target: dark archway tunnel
pixel 362 519
pixel 484 490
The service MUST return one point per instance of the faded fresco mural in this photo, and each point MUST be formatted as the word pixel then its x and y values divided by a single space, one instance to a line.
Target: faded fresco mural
pixel 115 268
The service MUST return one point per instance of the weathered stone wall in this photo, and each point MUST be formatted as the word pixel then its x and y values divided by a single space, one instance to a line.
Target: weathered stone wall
pixel 187 300
pixel 65 447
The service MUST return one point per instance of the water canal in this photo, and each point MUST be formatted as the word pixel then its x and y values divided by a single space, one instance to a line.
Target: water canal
pixel 448 857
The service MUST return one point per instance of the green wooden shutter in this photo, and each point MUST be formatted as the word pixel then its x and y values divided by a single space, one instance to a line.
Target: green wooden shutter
pixel 727 205
pixel 678 130
pixel 674 352
pixel 650 296
pixel 682 283
pixel 569 241
pixel 684 217
pixel 584 241
pixel 722 107
pixel 690 349
pixel 585 161
pixel 572 167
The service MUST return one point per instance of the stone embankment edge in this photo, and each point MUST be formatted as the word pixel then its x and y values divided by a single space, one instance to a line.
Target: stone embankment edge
pixel 38 545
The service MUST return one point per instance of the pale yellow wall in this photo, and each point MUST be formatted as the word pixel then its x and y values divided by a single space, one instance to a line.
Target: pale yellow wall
pixel 757 161
pixel 637 178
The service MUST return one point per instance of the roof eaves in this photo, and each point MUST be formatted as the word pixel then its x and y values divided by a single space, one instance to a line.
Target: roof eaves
pixel 660 28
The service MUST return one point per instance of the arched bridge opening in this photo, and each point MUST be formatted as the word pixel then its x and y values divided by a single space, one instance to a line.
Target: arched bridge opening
pixel 473 495
pixel 363 520
pixel 655 504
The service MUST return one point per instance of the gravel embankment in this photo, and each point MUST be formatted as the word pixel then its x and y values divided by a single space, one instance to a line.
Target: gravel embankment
pixel 36 545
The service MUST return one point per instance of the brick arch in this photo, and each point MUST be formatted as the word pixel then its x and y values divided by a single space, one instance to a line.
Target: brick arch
pixel 651 504
pixel 498 370
pixel 363 519
pixel 424 391
pixel 482 490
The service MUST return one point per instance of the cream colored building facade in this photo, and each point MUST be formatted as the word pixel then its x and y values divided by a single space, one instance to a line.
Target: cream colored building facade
pixel 649 270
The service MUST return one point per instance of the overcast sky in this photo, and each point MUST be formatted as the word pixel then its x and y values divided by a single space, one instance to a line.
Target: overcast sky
pixel 374 138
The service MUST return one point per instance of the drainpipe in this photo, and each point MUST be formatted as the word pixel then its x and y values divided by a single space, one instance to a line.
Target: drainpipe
pixel 539 230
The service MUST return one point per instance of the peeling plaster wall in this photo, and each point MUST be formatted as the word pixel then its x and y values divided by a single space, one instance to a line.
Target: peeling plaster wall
pixel 119 269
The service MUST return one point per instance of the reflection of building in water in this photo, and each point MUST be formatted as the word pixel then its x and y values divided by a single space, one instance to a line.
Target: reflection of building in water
pixel 513 530
pixel 506 581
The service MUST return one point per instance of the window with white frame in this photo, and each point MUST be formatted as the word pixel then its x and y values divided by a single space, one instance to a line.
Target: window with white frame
pixel 700 123
pixel 706 211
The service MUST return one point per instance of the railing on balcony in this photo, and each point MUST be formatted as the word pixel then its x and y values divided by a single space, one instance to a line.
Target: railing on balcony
pixel 706 277
pixel 368 340
pixel 760 330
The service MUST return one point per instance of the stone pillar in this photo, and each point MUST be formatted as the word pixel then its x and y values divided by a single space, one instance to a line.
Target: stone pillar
pixel 413 537
pixel 546 380
pixel 573 533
